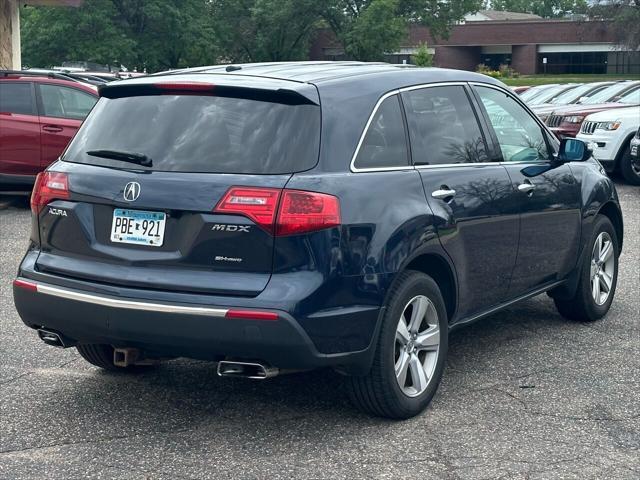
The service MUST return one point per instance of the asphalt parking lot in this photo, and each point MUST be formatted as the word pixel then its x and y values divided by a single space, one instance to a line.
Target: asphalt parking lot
pixel 526 395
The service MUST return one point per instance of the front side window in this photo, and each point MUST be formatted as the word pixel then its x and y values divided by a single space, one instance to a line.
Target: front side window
pixel 16 98
pixel 520 137
pixel 385 143
pixel 443 128
pixel 65 102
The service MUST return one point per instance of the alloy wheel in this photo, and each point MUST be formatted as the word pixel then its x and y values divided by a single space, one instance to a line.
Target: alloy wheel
pixel 417 345
pixel 602 268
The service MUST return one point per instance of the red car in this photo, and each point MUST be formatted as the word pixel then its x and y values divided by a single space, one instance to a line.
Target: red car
pixel 39 114
pixel 566 121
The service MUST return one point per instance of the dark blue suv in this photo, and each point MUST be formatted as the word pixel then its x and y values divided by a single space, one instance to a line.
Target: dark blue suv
pixel 287 216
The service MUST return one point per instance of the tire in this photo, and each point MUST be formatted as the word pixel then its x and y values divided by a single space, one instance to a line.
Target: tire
pixel 101 355
pixel 629 171
pixel 583 307
pixel 379 392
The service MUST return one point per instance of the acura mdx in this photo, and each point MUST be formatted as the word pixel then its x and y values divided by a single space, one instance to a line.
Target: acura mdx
pixel 287 216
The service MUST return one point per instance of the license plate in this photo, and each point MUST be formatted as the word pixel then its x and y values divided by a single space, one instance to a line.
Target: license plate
pixel 634 151
pixel 138 227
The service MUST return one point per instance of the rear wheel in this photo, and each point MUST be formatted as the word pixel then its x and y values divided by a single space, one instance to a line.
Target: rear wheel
pixel 629 168
pixel 410 353
pixel 598 278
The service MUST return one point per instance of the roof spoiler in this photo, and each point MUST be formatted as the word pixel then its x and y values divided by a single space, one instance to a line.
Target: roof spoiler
pixel 302 94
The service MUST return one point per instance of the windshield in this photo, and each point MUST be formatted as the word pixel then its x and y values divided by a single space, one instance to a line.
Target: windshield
pixel 632 97
pixel 576 93
pixel 607 94
pixel 194 133
pixel 547 95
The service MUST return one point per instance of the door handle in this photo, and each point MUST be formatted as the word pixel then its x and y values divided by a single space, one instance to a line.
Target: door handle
pixel 52 128
pixel 444 193
pixel 527 187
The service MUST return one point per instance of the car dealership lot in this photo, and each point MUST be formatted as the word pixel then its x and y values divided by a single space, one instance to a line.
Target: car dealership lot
pixel 526 395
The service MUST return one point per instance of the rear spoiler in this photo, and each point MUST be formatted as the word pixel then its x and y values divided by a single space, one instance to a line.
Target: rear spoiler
pixel 235 86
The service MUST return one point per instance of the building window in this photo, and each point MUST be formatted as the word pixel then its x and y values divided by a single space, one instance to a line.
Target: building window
pixel 573 62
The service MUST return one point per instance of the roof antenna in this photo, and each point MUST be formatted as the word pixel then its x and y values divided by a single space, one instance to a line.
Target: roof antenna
pixel 233 68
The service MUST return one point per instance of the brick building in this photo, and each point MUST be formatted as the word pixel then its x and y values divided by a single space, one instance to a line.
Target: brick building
pixel 10 53
pixel 530 46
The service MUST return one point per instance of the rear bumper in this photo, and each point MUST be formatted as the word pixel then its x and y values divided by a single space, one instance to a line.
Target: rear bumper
pixel 90 313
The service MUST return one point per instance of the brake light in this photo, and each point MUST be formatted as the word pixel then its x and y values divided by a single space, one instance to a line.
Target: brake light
pixel 185 87
pixel 259 204
pixel 49 186
pixel 282 212
pixel 302 212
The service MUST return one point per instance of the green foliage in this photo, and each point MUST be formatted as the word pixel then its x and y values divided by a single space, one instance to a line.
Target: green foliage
pixel 153 34
pixel 265 30
pixel 165 34
pixel 543 8
pixel 625 16
pixel 504 71
pixel 370 28
pixel 422 57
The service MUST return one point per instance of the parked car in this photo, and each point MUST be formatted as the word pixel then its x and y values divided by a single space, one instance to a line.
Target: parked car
pixel 610 133
pixel 535 91
pixel 39 113
pixel 521 89
pixel 573 96
pixel 550 94
pixel 635 151
pixel 566 121
pixel 235 231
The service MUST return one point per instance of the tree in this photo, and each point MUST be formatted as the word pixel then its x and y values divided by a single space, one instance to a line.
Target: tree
pixel 625 17
pixel 370 28
pixel 52 35
pixel 264 30
pixel 422 57
pixel 543 8
pixel 156 34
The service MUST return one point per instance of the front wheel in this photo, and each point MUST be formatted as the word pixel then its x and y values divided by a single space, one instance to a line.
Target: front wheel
pixel 630 167
pixel 410 353
pixel 598 278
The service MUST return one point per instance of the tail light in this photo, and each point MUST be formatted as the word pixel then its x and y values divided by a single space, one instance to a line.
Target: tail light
pixel 282 212
pixel 49 186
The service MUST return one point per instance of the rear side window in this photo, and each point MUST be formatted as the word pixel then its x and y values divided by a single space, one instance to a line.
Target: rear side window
pixel 17 98
pixel 64 102
pixel 206 134
pixel 385 143
pixel 443 127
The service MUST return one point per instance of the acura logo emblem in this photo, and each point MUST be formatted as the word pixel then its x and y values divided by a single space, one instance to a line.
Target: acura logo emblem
pixel 131 191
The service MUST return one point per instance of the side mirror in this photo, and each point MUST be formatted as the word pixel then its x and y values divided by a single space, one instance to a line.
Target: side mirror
pixel 573 150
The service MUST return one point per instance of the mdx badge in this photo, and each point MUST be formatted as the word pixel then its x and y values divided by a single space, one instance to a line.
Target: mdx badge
pixel 222 227
pixel 131 191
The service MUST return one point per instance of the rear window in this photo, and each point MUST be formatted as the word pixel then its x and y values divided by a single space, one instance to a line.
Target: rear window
pixel 205 134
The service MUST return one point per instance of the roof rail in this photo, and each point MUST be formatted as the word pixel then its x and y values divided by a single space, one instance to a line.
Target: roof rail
pixel 25 73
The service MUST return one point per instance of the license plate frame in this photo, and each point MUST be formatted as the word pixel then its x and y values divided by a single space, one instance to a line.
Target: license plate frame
pixel 128 226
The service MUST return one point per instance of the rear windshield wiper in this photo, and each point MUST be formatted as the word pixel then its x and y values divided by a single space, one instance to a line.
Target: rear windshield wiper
pixel 130 157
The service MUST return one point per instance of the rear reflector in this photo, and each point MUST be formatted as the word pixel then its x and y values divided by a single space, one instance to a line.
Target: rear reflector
pixel 49 186
pixel 251 315
pixel 282 212
pixel 32 287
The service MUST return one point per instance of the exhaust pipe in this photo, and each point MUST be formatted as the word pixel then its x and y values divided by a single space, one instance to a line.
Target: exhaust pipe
pixel 55 339
pixel 254 371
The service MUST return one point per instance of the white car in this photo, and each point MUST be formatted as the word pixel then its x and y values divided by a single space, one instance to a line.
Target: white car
pixel 609 133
